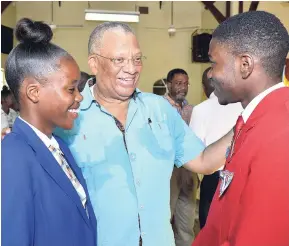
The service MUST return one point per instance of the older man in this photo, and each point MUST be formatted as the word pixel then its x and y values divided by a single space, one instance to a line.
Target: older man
pixel 126 143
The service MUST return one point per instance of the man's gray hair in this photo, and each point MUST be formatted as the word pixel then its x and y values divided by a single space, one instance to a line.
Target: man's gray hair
pixel 96 36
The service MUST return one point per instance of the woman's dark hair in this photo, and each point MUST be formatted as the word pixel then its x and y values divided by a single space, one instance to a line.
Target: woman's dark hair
pixel 34 56
pixel 5 92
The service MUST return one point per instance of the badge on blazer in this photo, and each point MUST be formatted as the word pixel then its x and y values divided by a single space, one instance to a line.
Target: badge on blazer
pixel 226 178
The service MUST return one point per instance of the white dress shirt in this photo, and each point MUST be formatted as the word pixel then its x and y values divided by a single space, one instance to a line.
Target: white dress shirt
pixel 254 103
pixel 210 121
pixel 46 140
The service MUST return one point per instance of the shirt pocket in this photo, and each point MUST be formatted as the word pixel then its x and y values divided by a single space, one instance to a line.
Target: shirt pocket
pixel 87 150
pixel 162 137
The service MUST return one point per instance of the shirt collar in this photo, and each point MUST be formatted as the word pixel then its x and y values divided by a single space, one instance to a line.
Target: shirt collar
pixel 91 89
pixel 254 103
pixel 46 140
pixel 212 95
pixel 172 101
pixel 88 97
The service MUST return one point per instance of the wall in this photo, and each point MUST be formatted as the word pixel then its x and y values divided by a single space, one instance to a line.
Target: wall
pixel 163 52
pixel 209 22
pixel 8 18
pixel 278 8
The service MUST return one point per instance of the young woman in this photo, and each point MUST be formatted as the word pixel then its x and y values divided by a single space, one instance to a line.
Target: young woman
pixel 44 195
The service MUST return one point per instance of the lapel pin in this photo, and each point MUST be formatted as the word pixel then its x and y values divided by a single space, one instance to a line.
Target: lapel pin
pixel 226 178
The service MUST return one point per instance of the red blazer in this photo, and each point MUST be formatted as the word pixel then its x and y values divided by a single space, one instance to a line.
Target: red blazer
pixel 254 210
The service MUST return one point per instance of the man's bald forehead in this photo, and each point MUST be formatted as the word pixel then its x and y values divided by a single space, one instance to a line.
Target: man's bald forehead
pixel 95 39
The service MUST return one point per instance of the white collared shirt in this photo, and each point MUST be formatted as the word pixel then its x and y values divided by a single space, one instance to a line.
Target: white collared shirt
pixel 210 121
pixel 254 103
pixel 91 90
pixel 46 140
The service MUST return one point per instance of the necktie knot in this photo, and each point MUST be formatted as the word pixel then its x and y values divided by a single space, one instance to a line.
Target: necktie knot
pixel 240 123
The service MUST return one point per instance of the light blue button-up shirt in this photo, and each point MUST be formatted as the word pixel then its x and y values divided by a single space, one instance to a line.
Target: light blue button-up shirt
pixel 128 186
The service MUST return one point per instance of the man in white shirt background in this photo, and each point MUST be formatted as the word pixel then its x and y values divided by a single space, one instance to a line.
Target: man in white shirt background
pixel 210 121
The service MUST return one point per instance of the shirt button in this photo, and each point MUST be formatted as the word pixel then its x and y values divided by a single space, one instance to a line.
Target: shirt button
pixel 143 234
pixel 138 182
pixel 132 156
pixel 141 206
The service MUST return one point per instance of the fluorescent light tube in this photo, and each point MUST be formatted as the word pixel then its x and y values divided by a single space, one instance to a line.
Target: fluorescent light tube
pixel 105 15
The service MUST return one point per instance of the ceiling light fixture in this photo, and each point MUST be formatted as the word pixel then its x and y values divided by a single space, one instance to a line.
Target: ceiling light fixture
pixel 106 15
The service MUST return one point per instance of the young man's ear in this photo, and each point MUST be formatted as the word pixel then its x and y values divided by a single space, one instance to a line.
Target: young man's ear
pixel 246 65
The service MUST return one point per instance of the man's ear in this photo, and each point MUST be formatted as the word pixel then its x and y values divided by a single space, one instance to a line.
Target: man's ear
pixel 93 64
pixel 246 65
pixel 32 89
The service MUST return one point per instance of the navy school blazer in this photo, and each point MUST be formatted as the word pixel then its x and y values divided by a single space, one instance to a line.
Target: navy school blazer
pixel 39 204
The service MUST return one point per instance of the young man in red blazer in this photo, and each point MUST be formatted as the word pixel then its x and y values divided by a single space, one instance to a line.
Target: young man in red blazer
pixel 251 203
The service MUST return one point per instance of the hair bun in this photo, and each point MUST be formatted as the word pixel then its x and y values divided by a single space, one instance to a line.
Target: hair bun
pixel 28 31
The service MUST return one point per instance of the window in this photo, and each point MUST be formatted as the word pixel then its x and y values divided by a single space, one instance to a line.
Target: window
pixel 159 87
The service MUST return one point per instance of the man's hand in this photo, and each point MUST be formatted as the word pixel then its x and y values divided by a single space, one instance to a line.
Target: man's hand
pixel 212 158
pixel 4 132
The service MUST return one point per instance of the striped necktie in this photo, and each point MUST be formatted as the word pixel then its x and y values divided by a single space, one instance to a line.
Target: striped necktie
pixel 59 156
